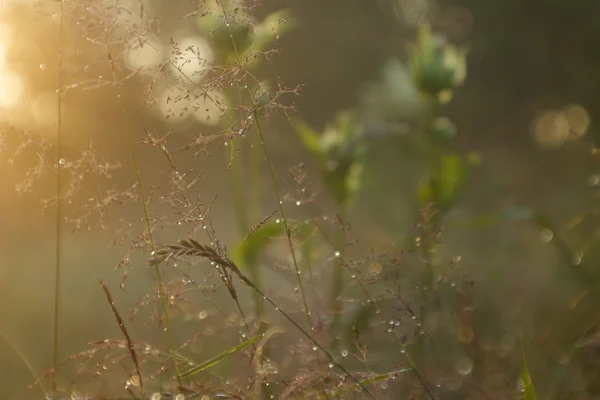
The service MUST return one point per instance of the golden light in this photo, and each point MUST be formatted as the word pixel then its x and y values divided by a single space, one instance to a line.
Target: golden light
pixel 551 129
pixel 578 119
pixel 209 109
pixel 11 88
pixel 43 108
pixel 145 55
pixel 192 58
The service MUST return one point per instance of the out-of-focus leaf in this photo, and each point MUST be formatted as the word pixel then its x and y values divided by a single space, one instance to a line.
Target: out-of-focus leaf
pixel 309 138
pixel 248 251
pixel 450 179
pixel 227 27
pixel 425 192
pixel 217 359
pixel 269 30
pixel 436 66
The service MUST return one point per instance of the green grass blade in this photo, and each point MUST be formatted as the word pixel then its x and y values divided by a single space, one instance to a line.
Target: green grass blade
pixel 215 360
pixel 526 377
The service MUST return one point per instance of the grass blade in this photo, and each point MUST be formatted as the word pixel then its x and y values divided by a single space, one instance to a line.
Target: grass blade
pixel 526 378
pixel 218 358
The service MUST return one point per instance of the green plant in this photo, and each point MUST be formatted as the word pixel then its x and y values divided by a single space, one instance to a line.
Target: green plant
pixel 312 300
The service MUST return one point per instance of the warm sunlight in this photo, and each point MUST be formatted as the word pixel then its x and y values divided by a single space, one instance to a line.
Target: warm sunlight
pixel 11 84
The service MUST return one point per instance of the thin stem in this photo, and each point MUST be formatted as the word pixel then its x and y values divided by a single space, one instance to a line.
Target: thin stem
pixel 57 261
pixel 272 173
pixel 161 286
pixel 284 219
pixel 305 333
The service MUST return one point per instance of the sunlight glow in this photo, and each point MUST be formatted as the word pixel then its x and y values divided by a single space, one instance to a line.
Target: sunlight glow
pixel 192 58
pixel 145 55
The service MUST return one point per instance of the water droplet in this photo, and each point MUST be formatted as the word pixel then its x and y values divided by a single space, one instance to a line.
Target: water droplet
pixel 277 221
pixel 298 203
pixel 330 365
pixel 56 16
pixel 43 67
pixel 337 254
pixel 315 348
pixel 344 353
pixel 180 397
pixel 464 366
pixel 546 235
pixel 155 396
pixel 384 386
pixel 594 180
pixel 62 161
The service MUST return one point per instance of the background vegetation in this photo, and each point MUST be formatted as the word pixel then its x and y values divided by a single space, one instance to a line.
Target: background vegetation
pixel 300 199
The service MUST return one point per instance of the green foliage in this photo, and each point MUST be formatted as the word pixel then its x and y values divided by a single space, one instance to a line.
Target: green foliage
pixel 249 250
pixel 220 357
pixel 529 393
pixel 444 187
pixel 235 34
pixel 436 66
pixel 339 152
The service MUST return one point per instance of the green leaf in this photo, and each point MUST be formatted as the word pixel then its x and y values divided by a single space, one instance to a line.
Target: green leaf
pixel 526 378
pixel 452 175
pixel 309 138
pixel 215 360
pixel 248 251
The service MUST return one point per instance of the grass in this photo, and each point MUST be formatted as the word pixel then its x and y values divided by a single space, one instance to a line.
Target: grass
pixel 348 315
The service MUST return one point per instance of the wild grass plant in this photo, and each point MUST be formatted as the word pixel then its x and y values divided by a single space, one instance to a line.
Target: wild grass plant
pixel 301 305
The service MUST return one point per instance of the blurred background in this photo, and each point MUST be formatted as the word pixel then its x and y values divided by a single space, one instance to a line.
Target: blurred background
pixel 527 109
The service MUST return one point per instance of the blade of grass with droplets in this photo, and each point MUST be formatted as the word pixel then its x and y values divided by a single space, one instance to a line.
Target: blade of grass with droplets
pixel 526 377
pixel 215 360
pixel 193 248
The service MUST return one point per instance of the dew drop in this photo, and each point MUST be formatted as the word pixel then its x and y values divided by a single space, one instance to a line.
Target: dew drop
pixel 546 235
pixel 180 397
pixel 344 353
pixel 298 203
pixel 337 254
pixel 315 348
pixel 155 396
pixel 330 365
pixel 62 161
pixel 464 366
pixel 43 67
